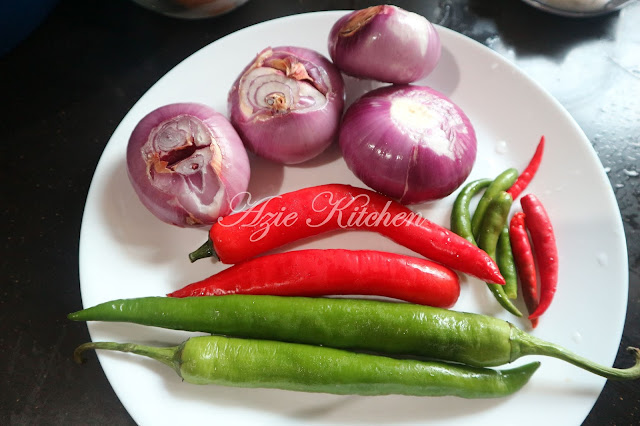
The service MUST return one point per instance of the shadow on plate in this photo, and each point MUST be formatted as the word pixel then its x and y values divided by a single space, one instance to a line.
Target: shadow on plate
pixel 327 408
pixel 331 154
pixel 266 178
pixel 147 239
pixel 136 229
pixel 446 76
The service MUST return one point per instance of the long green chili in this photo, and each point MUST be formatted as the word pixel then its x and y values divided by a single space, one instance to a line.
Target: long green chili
pixel 383 327
pixel 291 366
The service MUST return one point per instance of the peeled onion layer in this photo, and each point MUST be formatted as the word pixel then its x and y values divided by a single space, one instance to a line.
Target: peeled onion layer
pixel 287 103
pixel 408 142
pixel 187 164
pixel 384 43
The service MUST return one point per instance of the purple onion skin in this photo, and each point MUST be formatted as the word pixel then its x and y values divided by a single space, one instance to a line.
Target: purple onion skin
pixel 423 157
pixel 203 175
pixel 385 43
pixel 296 134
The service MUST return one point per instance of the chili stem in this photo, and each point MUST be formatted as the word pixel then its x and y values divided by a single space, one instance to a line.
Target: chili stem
pixel 530 345
pixel 205 250
pixel 166 356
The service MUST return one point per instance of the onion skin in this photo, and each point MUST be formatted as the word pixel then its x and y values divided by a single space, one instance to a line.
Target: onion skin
pixel 281 128
pixel 408 142
pixel 187 164
pixel 385 43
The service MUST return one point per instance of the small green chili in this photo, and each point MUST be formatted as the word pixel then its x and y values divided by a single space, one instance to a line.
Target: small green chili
pixel 507 264
pixel 501 183
pixel 460 216
pixel 461 225
pixel 493 222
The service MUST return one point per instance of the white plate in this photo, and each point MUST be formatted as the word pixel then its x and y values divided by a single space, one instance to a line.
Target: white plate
pixel 126 252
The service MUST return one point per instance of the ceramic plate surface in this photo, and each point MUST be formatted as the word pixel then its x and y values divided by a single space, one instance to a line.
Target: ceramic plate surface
pixel 126 252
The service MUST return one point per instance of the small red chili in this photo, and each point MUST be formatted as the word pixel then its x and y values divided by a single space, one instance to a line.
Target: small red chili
pixel 314 273
pixel 316 210
pixel 545 249
pixel 525 263
pixel 527 175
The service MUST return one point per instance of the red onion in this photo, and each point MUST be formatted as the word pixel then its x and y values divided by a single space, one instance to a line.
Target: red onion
pixel 384 43
pixel 408 142
pixel 286 105
pixel 187 164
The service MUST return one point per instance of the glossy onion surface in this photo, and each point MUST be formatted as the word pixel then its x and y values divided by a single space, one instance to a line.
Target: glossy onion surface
pixel 408 142
pixel 187 164
pixel 384 43
pixel 286 104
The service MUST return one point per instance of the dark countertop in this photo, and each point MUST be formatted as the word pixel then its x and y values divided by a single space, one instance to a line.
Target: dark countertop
pixel 66 87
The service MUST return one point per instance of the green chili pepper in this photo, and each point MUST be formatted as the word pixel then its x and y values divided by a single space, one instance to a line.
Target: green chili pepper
pixel 461 225
pixel 493 222
pixel 507 264
pixel 368 325
pixel 460 216
pixel 291 366
pixel 501 183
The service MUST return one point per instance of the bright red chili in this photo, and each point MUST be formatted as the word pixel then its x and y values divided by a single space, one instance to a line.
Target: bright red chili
pixel 545 249
pixel 527 175
pixel 314 273
pixel 316 210
pixel 525 263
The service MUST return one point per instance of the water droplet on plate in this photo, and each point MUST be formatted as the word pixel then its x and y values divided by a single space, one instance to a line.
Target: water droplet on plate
pixel 576 337
pixel 501 147
pixel 603 259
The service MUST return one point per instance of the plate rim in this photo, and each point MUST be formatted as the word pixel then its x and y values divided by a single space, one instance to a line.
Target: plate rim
pixel 522 75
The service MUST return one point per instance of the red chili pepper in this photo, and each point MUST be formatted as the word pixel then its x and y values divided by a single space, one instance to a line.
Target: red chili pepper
pixel 545 249
pixel 527 175
pixel 312 211
pixel 525 263
pixel 314 273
